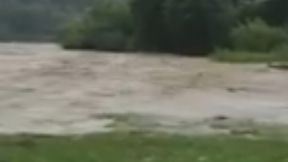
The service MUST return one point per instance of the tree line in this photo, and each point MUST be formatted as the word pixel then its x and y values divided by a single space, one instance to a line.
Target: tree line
pixel 195 27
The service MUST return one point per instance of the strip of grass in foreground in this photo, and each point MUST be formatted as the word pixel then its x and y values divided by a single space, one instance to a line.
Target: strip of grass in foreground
pixel 141 148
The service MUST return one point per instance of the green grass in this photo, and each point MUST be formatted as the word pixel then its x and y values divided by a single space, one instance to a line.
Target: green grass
pixel 115 147
pixel 248 57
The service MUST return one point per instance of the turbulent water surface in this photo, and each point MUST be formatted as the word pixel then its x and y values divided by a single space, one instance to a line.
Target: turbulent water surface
pixel 44 89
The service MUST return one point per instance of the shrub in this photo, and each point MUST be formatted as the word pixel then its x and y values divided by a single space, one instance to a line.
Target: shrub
pixel 72 35
pixel 282 52
pixel 226 55
pixel 257 36
pixel 106 26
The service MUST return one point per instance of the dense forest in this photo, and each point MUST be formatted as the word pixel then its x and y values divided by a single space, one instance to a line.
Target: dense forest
pixel 36 19
pixel 194 27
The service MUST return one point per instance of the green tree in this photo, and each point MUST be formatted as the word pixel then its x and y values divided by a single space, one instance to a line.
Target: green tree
pixel 275 11
pixel 150 29
pixel 107 26
pixel 257 36
pixel 196 26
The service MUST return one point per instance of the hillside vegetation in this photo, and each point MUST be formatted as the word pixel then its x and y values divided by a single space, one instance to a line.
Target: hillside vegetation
pixel 37 19
pixel 194 27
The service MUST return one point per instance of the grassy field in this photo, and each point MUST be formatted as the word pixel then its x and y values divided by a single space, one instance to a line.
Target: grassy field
pixel 141 148
pixel 248 57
